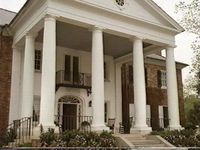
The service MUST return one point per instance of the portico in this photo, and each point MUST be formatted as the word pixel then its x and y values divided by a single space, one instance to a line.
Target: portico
pixel 100 34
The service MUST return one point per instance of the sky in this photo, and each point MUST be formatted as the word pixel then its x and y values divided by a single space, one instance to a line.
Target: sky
pixel 183 52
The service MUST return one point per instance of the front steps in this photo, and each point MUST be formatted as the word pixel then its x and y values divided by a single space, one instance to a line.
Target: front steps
pixel 144 141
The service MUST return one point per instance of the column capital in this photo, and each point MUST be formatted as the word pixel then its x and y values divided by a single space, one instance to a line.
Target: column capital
pixel 17 47
pixel 137 38
pixel 50 17
pixel 31 35
pixel 97 28
pixel 171 46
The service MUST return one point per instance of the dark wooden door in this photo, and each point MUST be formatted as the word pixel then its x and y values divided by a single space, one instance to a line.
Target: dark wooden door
pixel 69 117
pixel 166 118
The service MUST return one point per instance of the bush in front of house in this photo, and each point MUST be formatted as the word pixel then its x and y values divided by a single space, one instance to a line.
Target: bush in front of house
pixel 182 138
pixel 77 139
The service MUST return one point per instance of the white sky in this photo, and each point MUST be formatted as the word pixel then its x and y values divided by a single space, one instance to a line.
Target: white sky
pixel 183 52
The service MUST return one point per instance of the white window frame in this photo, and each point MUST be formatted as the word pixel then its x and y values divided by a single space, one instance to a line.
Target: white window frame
pixel 38 60
pixel 163 79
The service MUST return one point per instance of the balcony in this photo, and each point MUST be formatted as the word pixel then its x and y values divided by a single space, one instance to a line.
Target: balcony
pixel 73 80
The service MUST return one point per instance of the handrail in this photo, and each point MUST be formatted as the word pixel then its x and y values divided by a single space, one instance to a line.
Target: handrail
pixel 76 79
pixel 19 131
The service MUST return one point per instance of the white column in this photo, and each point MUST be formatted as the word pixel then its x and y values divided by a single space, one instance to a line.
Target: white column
pixel 118 89
pixel 48 73
pixel 172 92
pixel 28 76
pixel 139 87
pixel 98 80
pixel 14 111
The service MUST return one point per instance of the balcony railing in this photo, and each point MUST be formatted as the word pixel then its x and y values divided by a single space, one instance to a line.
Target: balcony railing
pixel 73 79
pixel 74 122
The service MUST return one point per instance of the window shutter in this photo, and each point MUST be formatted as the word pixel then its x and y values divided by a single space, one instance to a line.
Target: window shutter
pixel 159 78
pixel 146 77
pixel 75 69
pixel 67 68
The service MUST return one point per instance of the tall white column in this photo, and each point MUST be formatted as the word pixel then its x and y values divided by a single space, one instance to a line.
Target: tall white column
pixel 28 76
pixel 14 111
pixel 48 73
pixel 172 92
pixel 139 87
pixel 98 80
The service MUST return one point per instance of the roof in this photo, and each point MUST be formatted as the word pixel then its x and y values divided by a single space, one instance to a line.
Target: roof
pixel 161 58
pixel 150 2
pixel 6 16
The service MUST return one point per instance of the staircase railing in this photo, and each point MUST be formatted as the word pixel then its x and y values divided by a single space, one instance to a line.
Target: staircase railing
pixel 20 131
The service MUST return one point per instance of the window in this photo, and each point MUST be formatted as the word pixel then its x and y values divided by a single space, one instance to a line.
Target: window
pixel 38 58
pixel 71 68
pixel 162 78
pixel 106 75
pixel 105 112
pixel 120 2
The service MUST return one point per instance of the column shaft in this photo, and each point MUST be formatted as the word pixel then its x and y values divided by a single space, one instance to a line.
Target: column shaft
pixel 48 73
pixel 14 111
pixel 98 80
pixel 172 92
pixel 139 86
pixel 28 77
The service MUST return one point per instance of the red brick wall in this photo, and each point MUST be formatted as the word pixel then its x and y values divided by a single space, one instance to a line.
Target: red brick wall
pixel 157 96
pixel 5 80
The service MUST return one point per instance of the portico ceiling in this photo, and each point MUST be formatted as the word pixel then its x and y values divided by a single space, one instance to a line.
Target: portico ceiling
pixel 75 37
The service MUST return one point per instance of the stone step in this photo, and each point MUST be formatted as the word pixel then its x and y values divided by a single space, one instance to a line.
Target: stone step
pixel 145 141
pixel 150 145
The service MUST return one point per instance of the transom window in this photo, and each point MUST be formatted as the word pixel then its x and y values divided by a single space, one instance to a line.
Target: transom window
pixel 38 58
pixel 163 79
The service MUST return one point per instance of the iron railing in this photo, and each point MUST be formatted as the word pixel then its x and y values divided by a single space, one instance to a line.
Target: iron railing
pixel 21 130
pixel 74 122
pixel 73 79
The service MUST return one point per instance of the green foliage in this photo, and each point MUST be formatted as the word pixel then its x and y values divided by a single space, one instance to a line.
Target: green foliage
pixel 10 135
pixel 190 12
pixel 77 139
pixel 182 138
pixel 194 114
pixel 48 138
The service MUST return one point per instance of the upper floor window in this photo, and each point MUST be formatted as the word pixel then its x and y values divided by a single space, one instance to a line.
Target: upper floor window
pixel 38 60
pixel 162 79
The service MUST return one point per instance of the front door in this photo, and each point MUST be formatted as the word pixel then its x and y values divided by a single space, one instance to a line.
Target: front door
pixel 69 117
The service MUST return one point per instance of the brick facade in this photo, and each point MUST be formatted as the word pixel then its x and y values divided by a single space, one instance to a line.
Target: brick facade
pixel 5 80
pixel 157 96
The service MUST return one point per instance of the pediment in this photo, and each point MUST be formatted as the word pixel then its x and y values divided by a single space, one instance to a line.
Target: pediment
pixel 144 10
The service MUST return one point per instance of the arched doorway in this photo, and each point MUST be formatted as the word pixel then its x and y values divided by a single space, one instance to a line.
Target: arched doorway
pixel 69 110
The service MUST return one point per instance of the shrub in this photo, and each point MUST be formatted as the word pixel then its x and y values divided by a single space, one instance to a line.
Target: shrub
pixel 182 138
pixel 77 139
pixel 48 138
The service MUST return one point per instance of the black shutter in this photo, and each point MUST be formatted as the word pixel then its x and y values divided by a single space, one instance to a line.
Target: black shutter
pixel 159 78
pixel 67 68
pixel 146 77
pixel 75 69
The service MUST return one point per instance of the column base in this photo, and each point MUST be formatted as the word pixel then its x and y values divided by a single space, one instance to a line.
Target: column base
pixel 175 127
pixel 37 130
pixel 99 128
pixel 141 130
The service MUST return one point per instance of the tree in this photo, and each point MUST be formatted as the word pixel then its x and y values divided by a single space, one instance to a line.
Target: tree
pixel 190 20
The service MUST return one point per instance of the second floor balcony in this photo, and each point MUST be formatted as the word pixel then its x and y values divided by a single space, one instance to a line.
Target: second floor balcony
pixel 73 79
